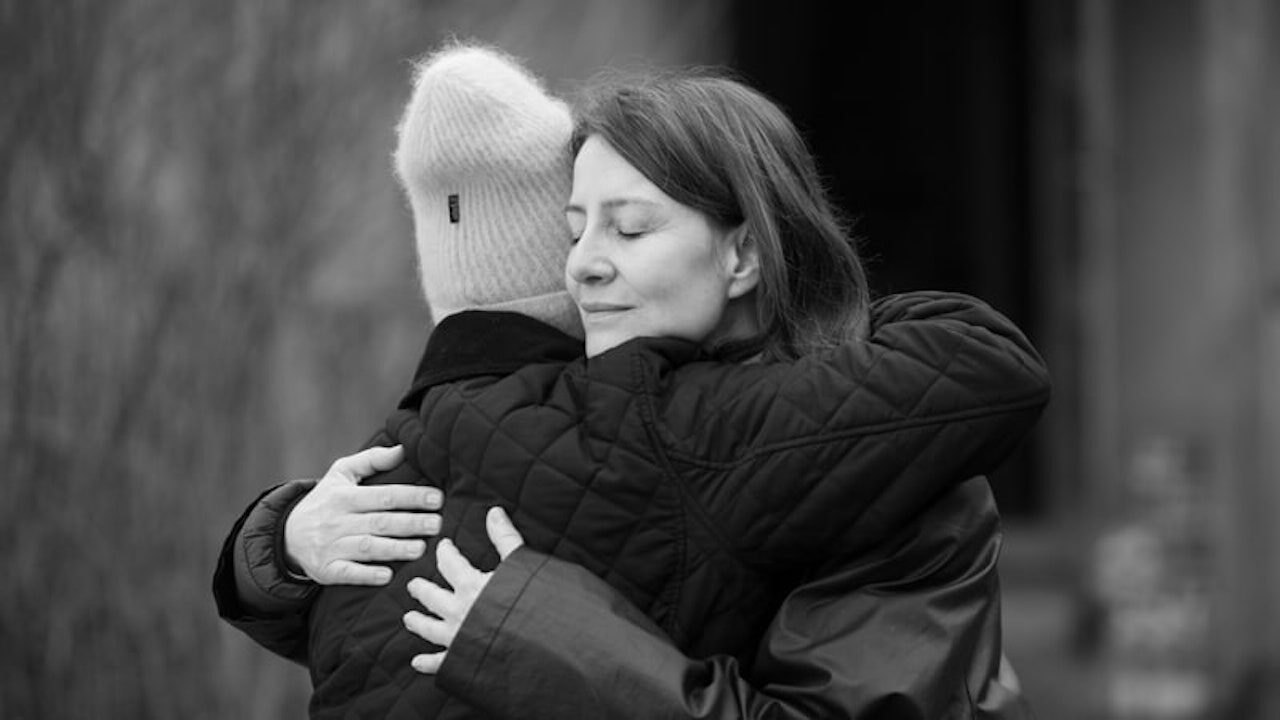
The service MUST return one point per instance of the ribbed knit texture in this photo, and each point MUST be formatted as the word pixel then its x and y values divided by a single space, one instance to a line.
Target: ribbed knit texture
pixel 481 129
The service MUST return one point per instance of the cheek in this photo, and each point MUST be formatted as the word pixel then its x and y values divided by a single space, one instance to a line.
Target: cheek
pixel 696 302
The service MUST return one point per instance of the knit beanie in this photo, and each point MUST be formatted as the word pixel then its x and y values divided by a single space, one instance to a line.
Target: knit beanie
pixel 483 155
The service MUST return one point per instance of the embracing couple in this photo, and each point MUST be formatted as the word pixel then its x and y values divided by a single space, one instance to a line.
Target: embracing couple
pixel 663 456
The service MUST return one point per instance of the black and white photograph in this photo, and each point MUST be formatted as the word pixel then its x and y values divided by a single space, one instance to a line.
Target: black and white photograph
pixel 608 359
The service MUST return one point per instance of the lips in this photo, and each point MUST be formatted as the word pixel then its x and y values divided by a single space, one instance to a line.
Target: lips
pixel 600 308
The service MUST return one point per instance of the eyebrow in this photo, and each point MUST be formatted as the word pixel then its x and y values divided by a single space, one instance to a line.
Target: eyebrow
pixel 611 204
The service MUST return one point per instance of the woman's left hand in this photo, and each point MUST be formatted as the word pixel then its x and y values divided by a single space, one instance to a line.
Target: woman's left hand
pixel 450 607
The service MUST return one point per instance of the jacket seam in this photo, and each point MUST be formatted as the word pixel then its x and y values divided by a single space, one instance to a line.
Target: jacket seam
pixel 880 429
pixel 690 503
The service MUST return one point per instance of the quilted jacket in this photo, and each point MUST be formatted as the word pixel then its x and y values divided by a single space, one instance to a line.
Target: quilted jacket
pixel 908 630
pixel 701 491
pixel 546 639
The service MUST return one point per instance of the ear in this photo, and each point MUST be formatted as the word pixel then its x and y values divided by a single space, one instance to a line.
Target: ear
pixel 741 262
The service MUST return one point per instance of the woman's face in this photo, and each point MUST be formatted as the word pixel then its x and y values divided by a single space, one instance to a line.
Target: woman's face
pixel 643 265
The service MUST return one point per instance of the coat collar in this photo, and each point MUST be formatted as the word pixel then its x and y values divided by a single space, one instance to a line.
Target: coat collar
pixel 477 342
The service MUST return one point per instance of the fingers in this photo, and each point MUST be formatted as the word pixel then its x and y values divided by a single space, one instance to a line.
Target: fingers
pixel 395 497
pixel 388 524
pixel 456 569
pixel 345 572
pixel 371 548
pixel 436 599
pixel 354 468
pixel 502 533
pixel 428 664
pixel 433 630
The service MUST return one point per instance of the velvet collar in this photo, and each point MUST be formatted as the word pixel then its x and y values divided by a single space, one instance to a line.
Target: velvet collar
pixel 478 342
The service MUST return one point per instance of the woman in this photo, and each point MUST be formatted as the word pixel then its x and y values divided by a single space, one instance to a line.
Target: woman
pixel 644 256
pixel 752 265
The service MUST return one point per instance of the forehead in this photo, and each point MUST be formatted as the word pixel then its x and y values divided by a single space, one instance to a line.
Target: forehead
pixel 600 174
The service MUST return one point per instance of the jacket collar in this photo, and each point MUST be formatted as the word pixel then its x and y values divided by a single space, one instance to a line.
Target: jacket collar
pixel 477 342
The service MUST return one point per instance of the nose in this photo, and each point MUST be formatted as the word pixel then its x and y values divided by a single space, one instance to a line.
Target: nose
pixel 589 262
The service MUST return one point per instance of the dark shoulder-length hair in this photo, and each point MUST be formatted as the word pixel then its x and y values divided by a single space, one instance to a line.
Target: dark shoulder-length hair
pixel 714 144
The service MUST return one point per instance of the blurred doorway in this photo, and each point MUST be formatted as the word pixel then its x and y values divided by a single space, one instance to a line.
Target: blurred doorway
pixel 919 115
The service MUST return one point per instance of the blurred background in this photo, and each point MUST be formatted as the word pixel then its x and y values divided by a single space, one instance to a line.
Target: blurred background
pixel 207 286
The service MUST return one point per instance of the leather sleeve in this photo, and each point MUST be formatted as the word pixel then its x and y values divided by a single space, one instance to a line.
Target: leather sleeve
pixel 253 589
pixel 911 630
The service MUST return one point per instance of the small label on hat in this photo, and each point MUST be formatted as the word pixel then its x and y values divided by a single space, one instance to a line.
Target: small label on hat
pixel 453 209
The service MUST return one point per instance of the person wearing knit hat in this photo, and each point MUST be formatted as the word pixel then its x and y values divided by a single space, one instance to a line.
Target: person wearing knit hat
pixel 643 465
pixel 483 156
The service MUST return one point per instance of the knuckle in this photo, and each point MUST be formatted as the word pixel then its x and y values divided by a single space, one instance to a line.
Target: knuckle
pixel 326 501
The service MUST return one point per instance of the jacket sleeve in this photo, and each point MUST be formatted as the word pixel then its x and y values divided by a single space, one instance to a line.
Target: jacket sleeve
pixel 253 589
pixel 910 630
pixel 943 388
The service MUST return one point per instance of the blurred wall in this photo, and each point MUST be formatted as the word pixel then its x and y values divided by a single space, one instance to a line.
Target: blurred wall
pixel 207 286
pixel 1179 269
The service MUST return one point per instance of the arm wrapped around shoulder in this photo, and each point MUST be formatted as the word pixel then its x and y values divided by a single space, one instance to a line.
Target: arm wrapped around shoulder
pixel 834 451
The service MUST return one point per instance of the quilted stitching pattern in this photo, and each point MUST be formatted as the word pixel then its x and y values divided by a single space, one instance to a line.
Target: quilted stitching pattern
pixel 895 426
pixel 690 487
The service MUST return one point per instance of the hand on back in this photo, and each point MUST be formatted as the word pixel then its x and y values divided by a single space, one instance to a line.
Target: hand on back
pixel 340 530
pixel 449 606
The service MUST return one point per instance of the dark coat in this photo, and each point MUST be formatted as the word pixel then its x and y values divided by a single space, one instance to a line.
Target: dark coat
pixel 703 492
pixel 908 630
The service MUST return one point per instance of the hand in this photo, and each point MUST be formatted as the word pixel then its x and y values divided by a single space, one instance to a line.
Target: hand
pixel 340 526
pixel 451 607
